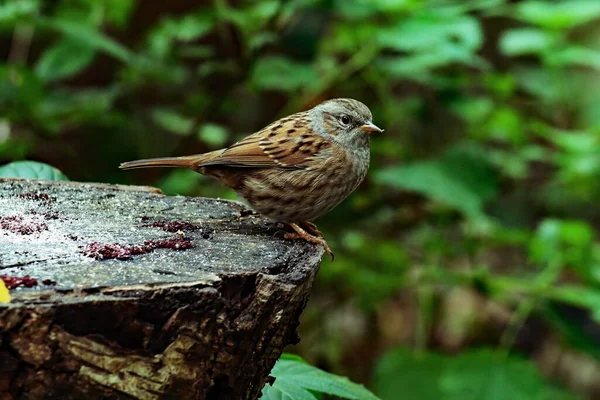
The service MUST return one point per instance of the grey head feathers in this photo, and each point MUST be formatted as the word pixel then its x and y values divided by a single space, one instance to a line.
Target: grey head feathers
pixel 354 108
pixel 340 120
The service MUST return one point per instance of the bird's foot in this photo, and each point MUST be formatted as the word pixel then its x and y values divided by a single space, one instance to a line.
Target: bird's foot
pixel 314 236
pixel 311 228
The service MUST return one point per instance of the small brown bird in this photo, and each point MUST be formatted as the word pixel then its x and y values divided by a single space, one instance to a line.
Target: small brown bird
pixel 295 169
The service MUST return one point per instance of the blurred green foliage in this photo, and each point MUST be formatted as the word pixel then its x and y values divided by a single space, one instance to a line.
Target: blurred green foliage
pixel 479 374
pixel 486 177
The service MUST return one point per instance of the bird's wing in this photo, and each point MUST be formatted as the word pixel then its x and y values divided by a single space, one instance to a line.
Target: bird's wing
pixel 286 143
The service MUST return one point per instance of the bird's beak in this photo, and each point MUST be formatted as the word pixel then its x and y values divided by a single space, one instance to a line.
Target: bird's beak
pixel 371 127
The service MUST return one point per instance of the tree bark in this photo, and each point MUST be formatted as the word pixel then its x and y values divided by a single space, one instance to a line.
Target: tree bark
pixel 136 295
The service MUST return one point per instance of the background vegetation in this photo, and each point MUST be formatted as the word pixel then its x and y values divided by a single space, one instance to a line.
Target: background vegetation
pixel 468 263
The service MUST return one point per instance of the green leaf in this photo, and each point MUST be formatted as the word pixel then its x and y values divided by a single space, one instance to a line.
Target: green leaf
pixel 10 11
pixel 462 179
pixel 418 66
pixel 288 391
pixel 505 124
pixel 172 121
pixel 558 15
pixel 31 170
pixel 265 9
pixel 568 242
pixel 388 6
pixel 551 86
pixel 294 379
pixel 577 56
pixel 486 374
pixel 427 32
pixel 262 39
pixel 577 159
pixel 401 371
pixel 431 41
pixel 292 357
pixel 89 36
pixel 520 41
pixel 471 375
pixel 185 29
pixel 118 11
pixel 213 134
pixel 474 110
pixel 280 73
pixel 64 59
pixel 580 296
pixel 252 18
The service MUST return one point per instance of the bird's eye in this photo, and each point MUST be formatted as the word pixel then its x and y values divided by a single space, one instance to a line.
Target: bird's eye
pixel 345 120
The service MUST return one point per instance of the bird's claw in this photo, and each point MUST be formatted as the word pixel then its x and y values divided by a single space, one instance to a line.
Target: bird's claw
pixel 315 236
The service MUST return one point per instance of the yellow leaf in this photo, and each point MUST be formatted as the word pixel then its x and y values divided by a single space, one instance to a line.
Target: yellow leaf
pixel 4 296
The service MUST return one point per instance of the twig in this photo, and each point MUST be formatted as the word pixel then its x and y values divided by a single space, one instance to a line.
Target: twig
pixel 21 42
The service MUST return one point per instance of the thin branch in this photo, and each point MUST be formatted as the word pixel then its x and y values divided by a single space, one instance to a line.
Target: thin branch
pixel 21 42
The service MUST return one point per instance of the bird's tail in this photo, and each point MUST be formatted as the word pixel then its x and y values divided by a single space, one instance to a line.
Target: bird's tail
pixel 192 162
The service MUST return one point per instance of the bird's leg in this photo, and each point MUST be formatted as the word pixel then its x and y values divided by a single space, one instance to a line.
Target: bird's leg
pixel 311 228
pixel 311 238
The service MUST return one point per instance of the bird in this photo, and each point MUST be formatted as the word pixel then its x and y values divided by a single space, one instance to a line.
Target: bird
pixel 294 170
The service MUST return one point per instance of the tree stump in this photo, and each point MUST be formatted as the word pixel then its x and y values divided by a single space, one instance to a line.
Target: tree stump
pixel 120 292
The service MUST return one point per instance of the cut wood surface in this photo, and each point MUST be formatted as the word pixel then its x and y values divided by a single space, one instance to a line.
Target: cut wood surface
pixel 121 292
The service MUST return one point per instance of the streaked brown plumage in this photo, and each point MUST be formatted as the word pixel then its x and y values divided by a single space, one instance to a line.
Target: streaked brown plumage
pixel 295 169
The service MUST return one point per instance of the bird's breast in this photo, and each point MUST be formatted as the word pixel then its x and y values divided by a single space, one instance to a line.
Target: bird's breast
pixel 304 194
